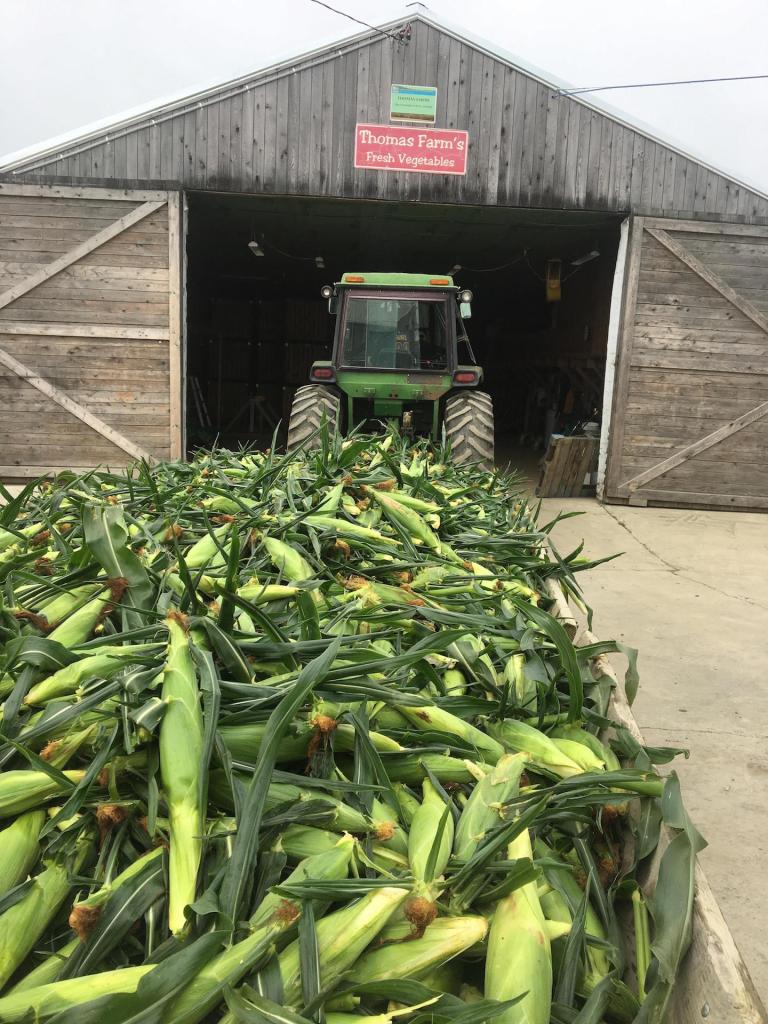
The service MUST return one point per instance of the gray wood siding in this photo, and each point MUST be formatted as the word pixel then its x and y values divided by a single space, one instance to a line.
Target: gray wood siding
pixel 88 328
pixel 692 381
pixel 290 130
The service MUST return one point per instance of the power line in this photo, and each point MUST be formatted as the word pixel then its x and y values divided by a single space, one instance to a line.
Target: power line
pixel 389 35
pixel 654 85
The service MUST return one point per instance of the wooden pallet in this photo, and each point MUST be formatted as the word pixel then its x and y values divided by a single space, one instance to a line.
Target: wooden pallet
pixel 567 462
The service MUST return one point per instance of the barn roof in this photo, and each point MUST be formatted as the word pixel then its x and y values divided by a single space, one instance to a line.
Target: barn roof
pixel 54 158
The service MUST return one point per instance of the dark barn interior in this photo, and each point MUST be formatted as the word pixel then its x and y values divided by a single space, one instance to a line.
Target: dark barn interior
pixel 255 323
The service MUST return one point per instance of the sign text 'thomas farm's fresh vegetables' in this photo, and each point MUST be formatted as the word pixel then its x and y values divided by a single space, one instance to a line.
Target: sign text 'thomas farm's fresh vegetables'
pixel 381 147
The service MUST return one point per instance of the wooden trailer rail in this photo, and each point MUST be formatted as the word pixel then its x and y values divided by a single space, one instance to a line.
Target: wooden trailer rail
pixel 713 983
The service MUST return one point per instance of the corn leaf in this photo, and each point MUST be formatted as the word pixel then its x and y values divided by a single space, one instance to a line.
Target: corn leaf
pixel 237 880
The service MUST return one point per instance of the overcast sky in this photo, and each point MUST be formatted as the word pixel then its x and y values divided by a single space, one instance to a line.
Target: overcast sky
pixel 66 63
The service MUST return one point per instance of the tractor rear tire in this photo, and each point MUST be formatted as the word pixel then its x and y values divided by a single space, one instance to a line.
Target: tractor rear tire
pixel 312 404
pixel 469 428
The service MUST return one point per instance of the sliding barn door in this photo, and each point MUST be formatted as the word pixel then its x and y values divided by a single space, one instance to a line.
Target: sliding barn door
pixel 690 412
pixel 90 328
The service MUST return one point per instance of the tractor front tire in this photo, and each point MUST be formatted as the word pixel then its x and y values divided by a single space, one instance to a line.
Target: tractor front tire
pixel 469 428
pixel 312 404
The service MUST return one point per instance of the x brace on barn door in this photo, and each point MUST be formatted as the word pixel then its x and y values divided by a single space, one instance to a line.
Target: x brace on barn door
pixel 45 274
pixel 629 487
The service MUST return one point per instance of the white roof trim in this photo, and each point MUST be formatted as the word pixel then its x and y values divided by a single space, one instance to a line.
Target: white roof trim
pixel 96 132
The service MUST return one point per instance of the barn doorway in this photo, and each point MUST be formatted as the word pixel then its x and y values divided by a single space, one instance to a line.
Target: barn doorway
pixel 256 321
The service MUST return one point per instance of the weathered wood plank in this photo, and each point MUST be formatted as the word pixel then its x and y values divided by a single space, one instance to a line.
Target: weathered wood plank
pixel 625 357
pixel 82 249
pixel 708 441
pixel 71 406
pixel 175 364
pixel 710 276
pixel 75 330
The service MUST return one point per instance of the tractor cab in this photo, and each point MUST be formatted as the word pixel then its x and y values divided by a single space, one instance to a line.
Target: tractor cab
pixel 400 353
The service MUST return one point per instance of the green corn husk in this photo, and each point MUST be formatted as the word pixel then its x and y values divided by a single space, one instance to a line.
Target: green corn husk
pixel 483 810
pixel 19 849
pixel 263 593
pixel 407 519
pixel 352 530
pixel 524 688
pixel 59 752
pixel 387 827
pixel 181 747
pixel 540 750
pixel 300 841
pixel 332 864
pixel 78 626
pixel 341 938
pixel 288 561
pixel 85 912
pixel 410 768
pixel 24 789
pixel 435 718
pixel 423 832
pixel 48 971
pixel 204 993
pixel 580 754
pixel 102 665
pixel 244 741
pixel 27 1004
pixel 519 951
pixel 9 539
pixel 210 552
pixel 454 682
pixel 23 923
pixel 56 608
pixel 599 749
pixel 444 939
pixel 407 803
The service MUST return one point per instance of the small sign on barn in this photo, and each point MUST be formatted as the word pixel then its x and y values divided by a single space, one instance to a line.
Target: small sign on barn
pixel 413 103
pixel 384 147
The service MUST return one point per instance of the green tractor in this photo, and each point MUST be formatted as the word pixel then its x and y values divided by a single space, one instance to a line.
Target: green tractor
pixel 400 354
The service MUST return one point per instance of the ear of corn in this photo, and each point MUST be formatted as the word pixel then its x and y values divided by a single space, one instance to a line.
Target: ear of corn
pixel 329 865
pixel 210 552
pixel 23 923
pixel 78 626
pixel 432 817
pixel 199 998
pixel 484 808
pixel 85 912
pixel 19 849
pixel 59 996
pixel 103 665
pixel 444 939
pixel 439 720
pixel 21 790
pixel 540 750
pixel 48 971
pixel 519 952
pixel 341 938
pixel 181 745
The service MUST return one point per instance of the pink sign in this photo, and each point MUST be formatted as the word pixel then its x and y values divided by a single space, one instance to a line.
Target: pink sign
pixel 385 147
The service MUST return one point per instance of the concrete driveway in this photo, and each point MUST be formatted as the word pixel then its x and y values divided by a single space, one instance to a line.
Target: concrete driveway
pixel 691 592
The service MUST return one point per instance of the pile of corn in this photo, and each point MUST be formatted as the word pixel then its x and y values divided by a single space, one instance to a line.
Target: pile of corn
pixel 297 738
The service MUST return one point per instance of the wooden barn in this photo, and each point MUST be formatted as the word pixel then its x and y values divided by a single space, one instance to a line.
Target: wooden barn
pixel 160 276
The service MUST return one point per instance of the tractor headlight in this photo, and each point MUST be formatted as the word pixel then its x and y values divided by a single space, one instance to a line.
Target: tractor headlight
pixel 465 295
pixel 326 291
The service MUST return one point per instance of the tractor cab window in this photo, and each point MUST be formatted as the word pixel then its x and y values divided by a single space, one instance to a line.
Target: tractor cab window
pixel 395 333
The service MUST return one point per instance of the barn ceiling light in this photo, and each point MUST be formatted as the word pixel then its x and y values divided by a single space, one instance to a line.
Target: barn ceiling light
pixel 255 248
pixel 319 262
pixel 586 258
